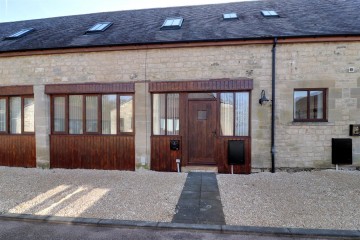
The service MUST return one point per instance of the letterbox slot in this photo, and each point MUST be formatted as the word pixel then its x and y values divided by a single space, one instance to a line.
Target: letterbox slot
pixel 174 145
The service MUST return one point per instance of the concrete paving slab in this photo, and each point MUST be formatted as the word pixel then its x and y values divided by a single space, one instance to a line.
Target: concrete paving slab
pixel 210 196
pixel 126 223
pixel 252 229
pixel 325 232
pixel 190 195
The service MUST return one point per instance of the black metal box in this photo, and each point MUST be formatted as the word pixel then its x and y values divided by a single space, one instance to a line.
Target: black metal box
pixel 341 151
pixel 355 130
pixel 236 152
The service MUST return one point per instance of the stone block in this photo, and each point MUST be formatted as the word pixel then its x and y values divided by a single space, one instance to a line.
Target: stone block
pixel 335 93
pixel 355 93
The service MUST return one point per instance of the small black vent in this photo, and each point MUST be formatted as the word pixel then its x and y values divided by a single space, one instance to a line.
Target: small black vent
pixel 341 151
pixel 236 152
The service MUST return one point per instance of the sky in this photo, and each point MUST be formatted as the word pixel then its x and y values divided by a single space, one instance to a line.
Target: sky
pixel 17 10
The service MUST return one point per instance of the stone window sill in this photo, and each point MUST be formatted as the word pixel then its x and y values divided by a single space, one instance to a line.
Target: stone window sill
pixel 311 124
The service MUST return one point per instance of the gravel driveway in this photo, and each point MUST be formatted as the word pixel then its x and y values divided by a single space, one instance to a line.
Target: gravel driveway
pixel 321 199
pixel 143 195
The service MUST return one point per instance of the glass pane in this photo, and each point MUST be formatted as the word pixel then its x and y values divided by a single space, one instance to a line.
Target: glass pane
pixel 242 114
pixel 91 113
pixel 126 114
pixel 173 123
pixel 15 115
pixel 29 114
pixel 227 114
pixel 75 114
pixel 316 105
pixel 2 115
pixel 59 114
pixel 300 105
pixel 159 114
pixel 109 114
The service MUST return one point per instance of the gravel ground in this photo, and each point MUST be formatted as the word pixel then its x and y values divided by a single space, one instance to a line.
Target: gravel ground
pixel 143 195
pixel 322 199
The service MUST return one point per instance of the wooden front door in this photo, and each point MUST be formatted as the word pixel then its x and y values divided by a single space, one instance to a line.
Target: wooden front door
pixel 202 132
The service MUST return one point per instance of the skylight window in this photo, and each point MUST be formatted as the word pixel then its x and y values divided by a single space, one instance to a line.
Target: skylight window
pixel 269 13
pixel 172 23
pixel 20 33
pixel 228 16
pixel 99 27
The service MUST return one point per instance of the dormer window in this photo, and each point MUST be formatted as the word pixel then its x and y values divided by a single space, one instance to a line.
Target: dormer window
pixel 230 16
pixel 269 13
pixel 20 33
pixel 172 23
pixel 99 27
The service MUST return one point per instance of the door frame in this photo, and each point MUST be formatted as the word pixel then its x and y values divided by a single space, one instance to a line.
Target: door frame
pixel 160 153
pixel 216 123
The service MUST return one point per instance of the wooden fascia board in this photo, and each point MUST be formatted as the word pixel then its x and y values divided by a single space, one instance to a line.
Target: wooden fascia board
pixel 16 90
pixel 240 84
pixel 83 88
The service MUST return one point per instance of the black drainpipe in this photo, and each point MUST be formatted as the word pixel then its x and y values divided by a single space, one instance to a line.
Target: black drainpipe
pixel 273 108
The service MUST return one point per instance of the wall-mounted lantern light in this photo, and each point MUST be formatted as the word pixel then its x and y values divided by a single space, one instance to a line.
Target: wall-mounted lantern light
pixel 263 98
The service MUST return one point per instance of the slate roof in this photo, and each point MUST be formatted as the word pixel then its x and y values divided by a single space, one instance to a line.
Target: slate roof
pixel 201 23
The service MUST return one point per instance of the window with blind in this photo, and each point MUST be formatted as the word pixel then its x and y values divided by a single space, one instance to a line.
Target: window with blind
pixel 106 114
pixel 17 114
pixel 166 114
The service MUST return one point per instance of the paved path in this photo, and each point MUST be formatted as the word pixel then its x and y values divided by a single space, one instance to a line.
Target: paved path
pixel 200 201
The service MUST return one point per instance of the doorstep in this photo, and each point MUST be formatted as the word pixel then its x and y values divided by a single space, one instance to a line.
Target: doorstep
pixel 188 169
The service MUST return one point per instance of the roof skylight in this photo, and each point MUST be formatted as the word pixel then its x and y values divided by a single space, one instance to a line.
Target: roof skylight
pixel 172 23
pixel 228 16
pixel 99 27
pixel 269 13
pixel 20 33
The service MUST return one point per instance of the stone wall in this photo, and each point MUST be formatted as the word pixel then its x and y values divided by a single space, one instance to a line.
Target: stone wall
pixel 313 65
pixel 326 65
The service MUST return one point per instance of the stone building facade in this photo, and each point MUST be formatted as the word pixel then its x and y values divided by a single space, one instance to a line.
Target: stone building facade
pixel 329 63
pixel 310 65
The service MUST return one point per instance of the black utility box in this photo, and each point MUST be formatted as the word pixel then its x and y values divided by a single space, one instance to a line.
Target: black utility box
pixel 354 129
pixel 174 145
pixel 341 151
pixel 236 152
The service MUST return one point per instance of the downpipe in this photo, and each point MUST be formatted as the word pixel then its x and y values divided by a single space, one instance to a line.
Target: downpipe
pixel 273 150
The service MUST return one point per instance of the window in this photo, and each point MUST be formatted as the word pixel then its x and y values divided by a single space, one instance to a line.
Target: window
pixel 269 13
pixel 126 114
pixel 29 114
pixel 99 27
pixel 234 114
pixel 166 114
pixel 172 23
pixel 229 16
pixel 20 33
pixel 310 105
pixel 92 114
pixel 59 114
pixel 3 117
pixel 17 114
pixel 109 114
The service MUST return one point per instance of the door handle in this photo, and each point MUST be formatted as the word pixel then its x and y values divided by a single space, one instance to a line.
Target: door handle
pixel 214 132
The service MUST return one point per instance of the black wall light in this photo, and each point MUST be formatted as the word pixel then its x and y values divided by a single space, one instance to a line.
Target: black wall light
pixel 263 98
